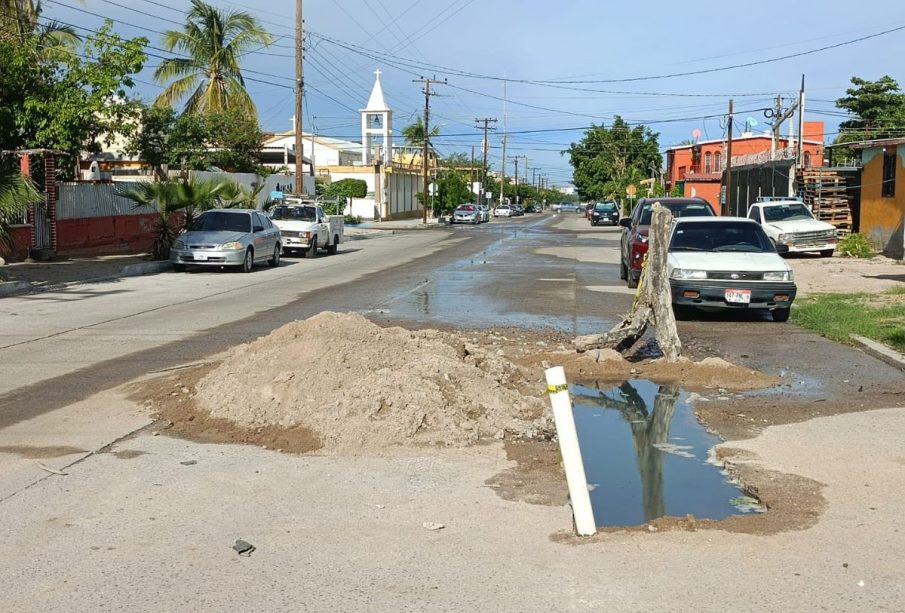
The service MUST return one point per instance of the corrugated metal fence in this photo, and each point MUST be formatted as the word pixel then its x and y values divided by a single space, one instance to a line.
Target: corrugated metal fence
pixel 89 200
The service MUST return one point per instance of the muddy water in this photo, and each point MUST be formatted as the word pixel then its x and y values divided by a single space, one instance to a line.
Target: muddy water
pixel 646 456
pixel 504 285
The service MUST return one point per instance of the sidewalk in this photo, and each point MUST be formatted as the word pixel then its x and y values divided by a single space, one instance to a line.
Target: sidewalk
pixel 32 276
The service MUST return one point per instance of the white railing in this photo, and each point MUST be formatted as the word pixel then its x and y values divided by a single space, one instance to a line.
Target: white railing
pixel 764 156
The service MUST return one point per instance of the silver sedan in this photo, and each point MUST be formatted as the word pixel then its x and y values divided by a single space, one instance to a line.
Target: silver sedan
pixel 227 237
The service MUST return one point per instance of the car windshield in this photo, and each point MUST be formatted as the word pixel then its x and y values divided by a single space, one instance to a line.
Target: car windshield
pixel 466 207
pixel 738 236
pixel 220 221
pixel 787 212
pixel 678 209
pixel 294 213
pixel 605 206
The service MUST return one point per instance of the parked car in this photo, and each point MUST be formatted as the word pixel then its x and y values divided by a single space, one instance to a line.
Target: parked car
pixel 227 237
pixel 531 208
pixel 503 210
pixel 467 213
pixel 570 207
pixel 634 235
pixel 727 263
pixel 517 210
pixel 306 228
pixel 485 213
pixel 605 213
pixel 790 224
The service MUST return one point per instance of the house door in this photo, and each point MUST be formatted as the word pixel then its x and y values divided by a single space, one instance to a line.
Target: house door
pixel 41 228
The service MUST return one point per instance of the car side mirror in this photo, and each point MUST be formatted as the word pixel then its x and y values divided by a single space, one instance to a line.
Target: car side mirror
pixel 626 222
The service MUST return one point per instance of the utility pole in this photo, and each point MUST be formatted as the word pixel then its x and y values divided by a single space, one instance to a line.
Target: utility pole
pixel 503 175
pixel 426 145
pixel 800 159
pixel 299 96
pixel 516 178
pixel 727 202
pixel 486 147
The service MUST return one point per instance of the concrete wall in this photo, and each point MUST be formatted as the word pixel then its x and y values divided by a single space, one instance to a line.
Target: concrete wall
pixel 882 219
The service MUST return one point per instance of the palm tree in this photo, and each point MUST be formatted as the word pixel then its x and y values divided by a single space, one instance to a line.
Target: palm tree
pixel 19 20
pixel 16 193
pixel 414 133
pixel 214 40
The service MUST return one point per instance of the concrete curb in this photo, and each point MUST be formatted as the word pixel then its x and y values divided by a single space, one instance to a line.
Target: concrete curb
pixel 14 287
pixel 880 351
pixel 145 268
pixel 132 270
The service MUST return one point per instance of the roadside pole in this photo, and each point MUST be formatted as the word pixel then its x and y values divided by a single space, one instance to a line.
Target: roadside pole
pixel 727 201
pixel 567 434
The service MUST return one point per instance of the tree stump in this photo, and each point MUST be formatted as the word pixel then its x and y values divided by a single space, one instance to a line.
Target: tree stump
pixel 653 300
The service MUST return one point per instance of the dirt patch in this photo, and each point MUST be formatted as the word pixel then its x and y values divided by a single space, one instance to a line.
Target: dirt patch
pixel 846 275
pixel 41 453
pixel 172 400
pixel 609 365
pixel 362 388
pixel 128 454
pixel 537 477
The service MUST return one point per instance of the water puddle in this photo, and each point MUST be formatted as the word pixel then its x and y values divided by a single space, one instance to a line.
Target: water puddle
pixel 647 456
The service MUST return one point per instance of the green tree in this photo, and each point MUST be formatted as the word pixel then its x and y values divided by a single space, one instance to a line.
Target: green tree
pixel 214 40
pixel 877 110
pixel 150 142
pixel 452 190
pixel 235 140
pixel 414 133
pixel 16 193
pixel 344 190
pixel 607 160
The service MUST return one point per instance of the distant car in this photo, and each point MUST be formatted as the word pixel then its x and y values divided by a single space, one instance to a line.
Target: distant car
pixel 570 207
pixel 606 213
pixel 503 210
pixel 727 263
pixel 485 213
pixel 532 209
pixel 634 235
pixel 467 213
pixel 227 237
pixel 790 224
pixel 517 210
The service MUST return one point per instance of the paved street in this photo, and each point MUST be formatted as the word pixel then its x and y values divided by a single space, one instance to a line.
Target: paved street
pixel 133 527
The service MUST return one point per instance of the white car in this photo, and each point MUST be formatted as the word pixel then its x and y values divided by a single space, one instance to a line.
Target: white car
pixel 792 227
pixel 305 228
pixel 727 263
pixel 503 210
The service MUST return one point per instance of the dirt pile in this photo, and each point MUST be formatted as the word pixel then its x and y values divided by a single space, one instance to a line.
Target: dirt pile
pixel 360 387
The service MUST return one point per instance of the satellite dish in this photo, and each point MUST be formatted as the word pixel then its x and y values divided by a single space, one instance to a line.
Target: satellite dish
pixel 751 122
pixel 94 172
pixel 696 134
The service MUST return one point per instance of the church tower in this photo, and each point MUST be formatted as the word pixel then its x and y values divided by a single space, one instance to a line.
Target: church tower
pixel 377 124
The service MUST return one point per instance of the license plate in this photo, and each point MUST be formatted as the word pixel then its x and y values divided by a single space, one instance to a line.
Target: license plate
pixel 199 257
pixel 738 296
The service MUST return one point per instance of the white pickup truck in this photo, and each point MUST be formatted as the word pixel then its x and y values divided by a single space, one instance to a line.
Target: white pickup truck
pixel 305 227
pixel 792 227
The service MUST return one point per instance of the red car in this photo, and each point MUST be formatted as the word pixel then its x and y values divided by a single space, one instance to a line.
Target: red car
pixel 635 229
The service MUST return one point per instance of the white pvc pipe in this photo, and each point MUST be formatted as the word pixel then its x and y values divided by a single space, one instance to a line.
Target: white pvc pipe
pixel 571 452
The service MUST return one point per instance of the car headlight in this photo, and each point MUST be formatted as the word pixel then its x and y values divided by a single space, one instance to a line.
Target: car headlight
pixel 689 275
pixel 643 239
pixel 178 244
pixel 779 275
pixel 232 246
pixel 781 239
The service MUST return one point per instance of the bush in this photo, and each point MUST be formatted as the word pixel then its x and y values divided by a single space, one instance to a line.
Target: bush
pixel 353 220
pixel 855 246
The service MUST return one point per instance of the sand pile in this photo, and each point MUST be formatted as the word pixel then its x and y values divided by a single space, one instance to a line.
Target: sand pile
pixel 360 387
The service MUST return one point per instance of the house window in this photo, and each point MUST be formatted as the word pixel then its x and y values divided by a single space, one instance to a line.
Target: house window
pixel 889 174
pixel 717 162
pixel 682 170
pixel 807 159
pixel 708 162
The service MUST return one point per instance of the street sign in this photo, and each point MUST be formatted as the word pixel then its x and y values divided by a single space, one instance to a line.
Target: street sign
pixel 630 191
pixel 276 195
pixel 432 189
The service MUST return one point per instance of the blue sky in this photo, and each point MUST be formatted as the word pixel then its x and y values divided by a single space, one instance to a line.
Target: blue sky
pixel 467 41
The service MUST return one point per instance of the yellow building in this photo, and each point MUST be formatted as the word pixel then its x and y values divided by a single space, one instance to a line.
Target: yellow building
pixel 883 194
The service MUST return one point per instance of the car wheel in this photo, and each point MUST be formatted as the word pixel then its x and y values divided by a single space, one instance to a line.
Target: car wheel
pixel 275 260
pixel 312 250
pixel 632 280
pixel 249 262
pixel 623 271
pixel 334 246
pixel 178 267
pixel 827 253
pixel 781 315
pixel 682 311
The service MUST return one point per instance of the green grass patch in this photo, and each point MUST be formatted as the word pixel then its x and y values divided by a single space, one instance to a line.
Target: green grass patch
pixel 880 317
pixel 855 246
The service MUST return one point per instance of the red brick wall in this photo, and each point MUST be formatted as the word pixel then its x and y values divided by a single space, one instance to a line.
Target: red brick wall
pixel 120 234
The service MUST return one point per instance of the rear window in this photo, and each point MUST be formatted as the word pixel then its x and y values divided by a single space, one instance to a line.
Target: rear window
pixel 294 213
pixel 221 221
pixel 466 207
pixel 739 236
pixel 605 206
pixel 678 209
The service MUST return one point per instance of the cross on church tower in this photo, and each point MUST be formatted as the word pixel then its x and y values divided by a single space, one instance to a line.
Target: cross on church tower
pixel 377 124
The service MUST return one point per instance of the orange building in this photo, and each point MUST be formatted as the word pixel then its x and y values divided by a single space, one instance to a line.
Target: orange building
pixel 883 194
pixel 698 168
